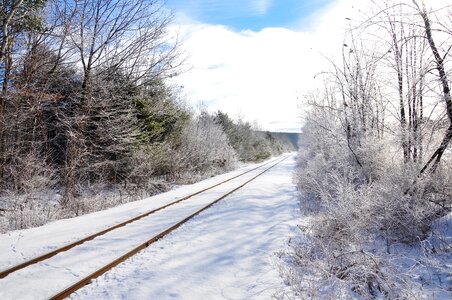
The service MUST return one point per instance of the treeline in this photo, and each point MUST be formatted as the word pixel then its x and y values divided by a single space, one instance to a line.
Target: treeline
pixel 375 165
pixel 87 119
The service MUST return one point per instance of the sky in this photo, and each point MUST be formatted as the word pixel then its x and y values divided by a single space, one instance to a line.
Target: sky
pixel 247 14
pixel 255 59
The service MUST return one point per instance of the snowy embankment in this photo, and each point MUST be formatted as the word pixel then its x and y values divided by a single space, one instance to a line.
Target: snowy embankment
pixel 225 252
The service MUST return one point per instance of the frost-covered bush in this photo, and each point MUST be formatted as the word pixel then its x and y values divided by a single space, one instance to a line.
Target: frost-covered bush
pixel 315 271
pixel 361 208
pixel 204 147
pixel 403 216
pixel 31 209
pixel 31 199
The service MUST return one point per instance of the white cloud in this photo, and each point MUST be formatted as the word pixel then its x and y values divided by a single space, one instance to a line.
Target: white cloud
pixel 261 6
pixel 232 8
pixel 259 75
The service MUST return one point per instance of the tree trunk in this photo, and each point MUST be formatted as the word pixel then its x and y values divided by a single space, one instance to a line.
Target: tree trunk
pixel 436 157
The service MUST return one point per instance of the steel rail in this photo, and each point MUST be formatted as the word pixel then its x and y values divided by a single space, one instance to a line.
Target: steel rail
pixel 87 280
pixel 50 254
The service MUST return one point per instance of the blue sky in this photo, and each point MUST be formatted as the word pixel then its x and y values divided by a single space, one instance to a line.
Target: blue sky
pixel 253 59
pixel 248 14
pixel 257 59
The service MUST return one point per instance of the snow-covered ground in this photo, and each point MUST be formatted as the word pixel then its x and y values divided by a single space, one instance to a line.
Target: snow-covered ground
pixel 224 253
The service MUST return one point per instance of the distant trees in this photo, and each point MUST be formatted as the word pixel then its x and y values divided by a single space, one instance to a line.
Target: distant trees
pixel 249 144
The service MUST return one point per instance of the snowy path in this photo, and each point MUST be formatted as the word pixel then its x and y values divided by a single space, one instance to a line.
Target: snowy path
pixel 223 253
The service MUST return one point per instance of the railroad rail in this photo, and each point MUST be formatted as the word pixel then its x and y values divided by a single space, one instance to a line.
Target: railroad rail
pixel 87 280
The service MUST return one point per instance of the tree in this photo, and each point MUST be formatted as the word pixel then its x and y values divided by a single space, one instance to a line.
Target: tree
pixel 120 36
pixel 123 47
pixel 17 17
pixel 159 114
pixel 446 94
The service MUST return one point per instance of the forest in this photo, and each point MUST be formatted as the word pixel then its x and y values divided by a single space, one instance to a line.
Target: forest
pixel 375 162
pixel 88 119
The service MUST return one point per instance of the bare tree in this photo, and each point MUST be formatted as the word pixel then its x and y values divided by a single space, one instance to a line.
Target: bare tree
pixel 120 36
pixel 443 78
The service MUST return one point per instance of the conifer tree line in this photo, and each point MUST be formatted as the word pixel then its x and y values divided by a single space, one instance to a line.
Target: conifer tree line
pixel 375 160
pixel 85 106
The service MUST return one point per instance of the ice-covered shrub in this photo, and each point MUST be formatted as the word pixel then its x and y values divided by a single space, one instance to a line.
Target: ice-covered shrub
pixel 400 216
pixel 359 215
pixel 32 197
pixel 26 210
pixel 204 147
pixel 315 271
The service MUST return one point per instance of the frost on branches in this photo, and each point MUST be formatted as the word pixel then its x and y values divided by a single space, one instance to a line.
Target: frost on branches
pixel 375 165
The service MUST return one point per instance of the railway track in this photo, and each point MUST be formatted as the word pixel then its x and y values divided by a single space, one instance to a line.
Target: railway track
pixel 48 255
pixel 131 222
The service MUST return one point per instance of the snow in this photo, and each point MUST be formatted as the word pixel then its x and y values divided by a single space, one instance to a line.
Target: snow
pixel 417 271
pixel 21 245
pixel 224 253
pixel 429 263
